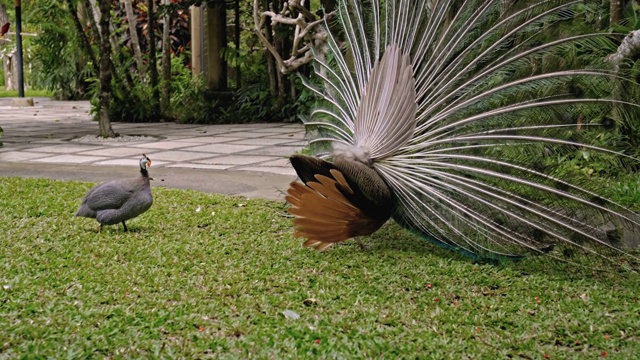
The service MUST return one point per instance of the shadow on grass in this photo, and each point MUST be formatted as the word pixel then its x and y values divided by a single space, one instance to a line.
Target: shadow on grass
pixel 607 267
pixel 113 229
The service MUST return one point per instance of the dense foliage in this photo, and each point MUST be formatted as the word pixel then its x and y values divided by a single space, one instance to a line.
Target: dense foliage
pixel 59 61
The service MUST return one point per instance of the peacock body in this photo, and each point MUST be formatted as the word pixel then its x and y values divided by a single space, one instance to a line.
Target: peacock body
pixel 455 119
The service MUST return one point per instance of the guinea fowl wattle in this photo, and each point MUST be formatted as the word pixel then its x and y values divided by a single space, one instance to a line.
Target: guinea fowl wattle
pixel 119 200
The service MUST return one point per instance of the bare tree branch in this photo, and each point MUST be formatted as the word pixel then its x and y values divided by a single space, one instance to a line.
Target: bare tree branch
pixel 628 49
pixel 307 33
pixel 133 31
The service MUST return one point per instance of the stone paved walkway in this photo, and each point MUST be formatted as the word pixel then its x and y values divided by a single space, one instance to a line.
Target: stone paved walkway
pixel 42 135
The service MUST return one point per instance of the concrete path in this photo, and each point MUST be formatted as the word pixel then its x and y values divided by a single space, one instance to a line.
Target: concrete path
pixel 248 160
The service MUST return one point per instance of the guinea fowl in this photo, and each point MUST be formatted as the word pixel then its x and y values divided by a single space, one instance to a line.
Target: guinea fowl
pixel 450 119
pixel 119 200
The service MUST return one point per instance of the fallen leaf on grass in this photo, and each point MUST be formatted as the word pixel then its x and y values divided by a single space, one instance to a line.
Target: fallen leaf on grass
pixel 289 314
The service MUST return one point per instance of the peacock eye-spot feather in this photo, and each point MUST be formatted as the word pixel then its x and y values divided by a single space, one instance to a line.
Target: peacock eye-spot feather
pixel 598 200
pixel 608 123
pixel 576 90
pixel 483 125
pixel 614 235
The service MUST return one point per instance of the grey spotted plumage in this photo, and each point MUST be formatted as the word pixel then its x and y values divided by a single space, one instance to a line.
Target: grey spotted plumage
pixel 117 201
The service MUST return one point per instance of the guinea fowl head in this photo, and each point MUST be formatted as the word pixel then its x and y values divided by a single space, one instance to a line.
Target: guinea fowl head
pixel 144 162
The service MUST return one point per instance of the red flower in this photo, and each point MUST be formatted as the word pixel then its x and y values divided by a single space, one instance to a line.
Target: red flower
pixel 428 286
pixel 436 299
pixel 201 328
pixel 604 354
pixel 317 341
pixel 5 29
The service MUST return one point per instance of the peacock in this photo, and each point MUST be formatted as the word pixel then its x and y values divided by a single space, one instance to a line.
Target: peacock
pixel 472 123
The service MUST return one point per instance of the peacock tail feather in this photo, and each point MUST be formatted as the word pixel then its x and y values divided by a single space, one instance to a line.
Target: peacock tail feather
pixel 478 116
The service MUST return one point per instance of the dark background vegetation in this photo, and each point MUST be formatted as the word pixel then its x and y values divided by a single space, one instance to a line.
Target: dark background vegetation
pixel 57 60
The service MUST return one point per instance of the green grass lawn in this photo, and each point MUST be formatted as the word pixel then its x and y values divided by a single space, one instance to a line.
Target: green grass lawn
pixel 217 282
pixel 28 93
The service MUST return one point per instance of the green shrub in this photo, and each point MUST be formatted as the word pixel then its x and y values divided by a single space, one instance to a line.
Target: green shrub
pixel 62 66
pixel 189 103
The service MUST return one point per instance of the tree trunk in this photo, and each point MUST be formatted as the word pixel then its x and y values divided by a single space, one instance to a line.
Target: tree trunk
pixel 271 66
pixel 216 41
pixel 197 40
pixel 615 11
pixel 271 62
pixel 166 61
pixel 282 43
pixel 84 41
pixel 93 8
pixel 6 56
pixel 94 12
pixel 153 67
pixel 93 17
pixel 10 71
pixel 133 32
pixel 104 96
pixel 4 18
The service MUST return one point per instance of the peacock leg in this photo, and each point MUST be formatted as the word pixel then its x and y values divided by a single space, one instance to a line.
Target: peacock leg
pixel 362 245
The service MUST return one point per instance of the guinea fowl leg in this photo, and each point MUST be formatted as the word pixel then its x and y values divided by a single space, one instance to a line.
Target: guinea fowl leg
pixel 125 226
pixel 99 228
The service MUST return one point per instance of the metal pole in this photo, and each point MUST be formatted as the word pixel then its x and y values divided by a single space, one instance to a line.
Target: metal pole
pixel 19 48
pixel 237 41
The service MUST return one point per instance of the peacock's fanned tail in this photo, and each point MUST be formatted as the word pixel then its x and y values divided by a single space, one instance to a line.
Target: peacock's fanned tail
pixel 470 111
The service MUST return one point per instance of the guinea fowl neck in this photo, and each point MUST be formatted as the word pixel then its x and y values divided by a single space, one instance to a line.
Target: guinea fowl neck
pixel 144 173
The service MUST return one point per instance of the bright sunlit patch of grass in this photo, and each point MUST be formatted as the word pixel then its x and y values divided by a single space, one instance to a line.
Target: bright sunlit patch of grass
pixel 215 283
pixel 28 93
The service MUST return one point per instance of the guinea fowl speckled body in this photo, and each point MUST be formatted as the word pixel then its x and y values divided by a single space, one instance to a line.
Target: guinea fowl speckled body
pixel 119 200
